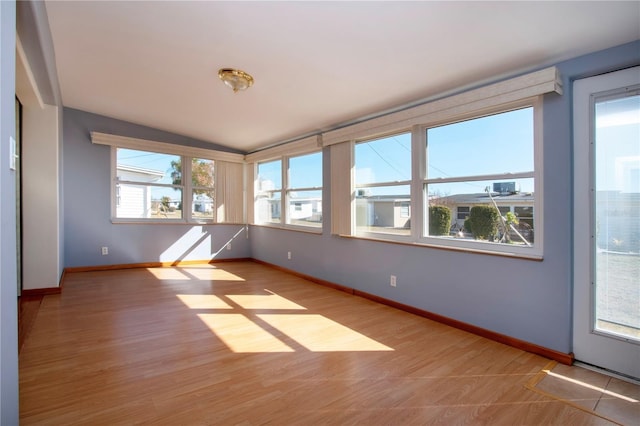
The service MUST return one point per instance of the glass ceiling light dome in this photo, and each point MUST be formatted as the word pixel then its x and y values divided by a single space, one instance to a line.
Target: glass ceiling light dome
pixel 235 79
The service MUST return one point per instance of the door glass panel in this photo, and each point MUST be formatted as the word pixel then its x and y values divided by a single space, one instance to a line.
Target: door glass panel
pixel 617 217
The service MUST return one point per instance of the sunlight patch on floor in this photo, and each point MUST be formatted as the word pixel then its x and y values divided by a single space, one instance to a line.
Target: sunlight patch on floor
pixel 588 386
pixel 194 273
pixel 168 274
pixel 320 334
pixel 242 335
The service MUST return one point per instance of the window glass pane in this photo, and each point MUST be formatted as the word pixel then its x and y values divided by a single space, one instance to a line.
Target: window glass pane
pixel 270 176
pixel 384 160
pixel 495 144
pixel 151 167
pixel 384 209
pixel 268 207
pixel 202 204
pixel 616 209
pixel 144 185
pixel 139 201
pixel 305 208
pixel 305 171
pixel 514 199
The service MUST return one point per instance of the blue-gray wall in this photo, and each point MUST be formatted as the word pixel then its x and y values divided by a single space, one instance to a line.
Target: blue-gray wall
pixel 8 268
pixel 87 205
pixel 525 299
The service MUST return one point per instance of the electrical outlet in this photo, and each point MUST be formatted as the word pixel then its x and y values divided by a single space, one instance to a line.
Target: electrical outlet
pixel 229 246
pixel 105 251
pixel 289 255
pixel 392 281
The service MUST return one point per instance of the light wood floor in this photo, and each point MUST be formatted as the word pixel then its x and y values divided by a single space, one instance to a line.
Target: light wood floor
pixel 243 343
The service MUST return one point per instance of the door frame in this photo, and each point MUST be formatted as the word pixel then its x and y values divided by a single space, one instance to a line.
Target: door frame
pixel 589 346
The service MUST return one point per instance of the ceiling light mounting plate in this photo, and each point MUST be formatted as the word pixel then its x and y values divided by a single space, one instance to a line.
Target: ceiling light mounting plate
pixel 236 79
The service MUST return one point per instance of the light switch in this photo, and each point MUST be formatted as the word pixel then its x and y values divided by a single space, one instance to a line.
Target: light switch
pixel 13 157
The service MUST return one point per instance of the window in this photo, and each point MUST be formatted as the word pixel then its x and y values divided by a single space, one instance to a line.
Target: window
pixel 150 186
pixel 478 148
pixel 405 209
pixel 486 161
pixel 463 212
pixel 301 198
pixel 382 185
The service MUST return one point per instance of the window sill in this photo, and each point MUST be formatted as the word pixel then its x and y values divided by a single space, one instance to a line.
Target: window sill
pixel 306 230
pixel 161 222
pixel 532 256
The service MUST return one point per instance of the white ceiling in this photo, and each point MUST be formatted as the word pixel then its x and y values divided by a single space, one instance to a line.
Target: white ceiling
pixel 316 64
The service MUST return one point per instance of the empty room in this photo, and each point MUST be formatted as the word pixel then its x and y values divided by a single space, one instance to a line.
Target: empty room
pixel 298 213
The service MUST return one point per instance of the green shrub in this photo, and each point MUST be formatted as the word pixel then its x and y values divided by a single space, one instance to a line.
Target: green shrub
pixel 467 225
pixel 439 220
pixel 484 222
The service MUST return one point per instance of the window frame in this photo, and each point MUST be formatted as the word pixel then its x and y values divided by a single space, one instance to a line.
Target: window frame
pixel 234 206
pixel 535 250
pixel 419 181
pixel 186 187
pixel 286 189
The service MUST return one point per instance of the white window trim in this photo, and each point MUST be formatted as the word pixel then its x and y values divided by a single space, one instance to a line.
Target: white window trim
pixel 418 208
pixel 535 251
pixel 187 195
pixel 304 147
pixel 408 182
pixel 186 153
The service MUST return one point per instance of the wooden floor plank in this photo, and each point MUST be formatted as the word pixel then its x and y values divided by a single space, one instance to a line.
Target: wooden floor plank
pixel 243 343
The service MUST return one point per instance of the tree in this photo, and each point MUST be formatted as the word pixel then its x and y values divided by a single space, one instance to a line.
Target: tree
pixel 202 175
pixel 510 219
pixel 484 221
pixel 439 220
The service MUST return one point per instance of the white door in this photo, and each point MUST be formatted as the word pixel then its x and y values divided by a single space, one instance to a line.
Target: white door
pixel 606 311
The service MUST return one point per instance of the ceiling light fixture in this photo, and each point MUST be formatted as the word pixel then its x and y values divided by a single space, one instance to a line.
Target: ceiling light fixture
pixel 235 79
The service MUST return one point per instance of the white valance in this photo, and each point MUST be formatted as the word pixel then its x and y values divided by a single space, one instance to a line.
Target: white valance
pixel 167 148
pixel 299 147
pixel 453 107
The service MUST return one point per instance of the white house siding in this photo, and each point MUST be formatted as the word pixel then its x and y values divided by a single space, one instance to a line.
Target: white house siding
pixel 134 201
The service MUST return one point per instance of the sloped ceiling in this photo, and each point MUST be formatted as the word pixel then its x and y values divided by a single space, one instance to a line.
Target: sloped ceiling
pixel 316 65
